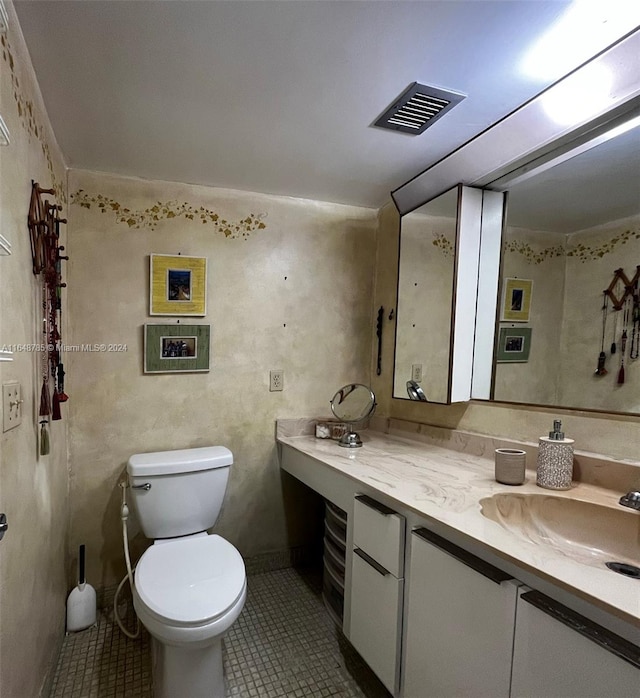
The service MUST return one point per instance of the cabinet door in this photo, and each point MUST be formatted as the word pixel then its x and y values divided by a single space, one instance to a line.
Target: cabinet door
pixel 460 618
pixel 376 605
pixel 558 652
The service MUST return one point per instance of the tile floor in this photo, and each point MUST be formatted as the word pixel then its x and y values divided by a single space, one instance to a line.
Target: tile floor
pixel 283 645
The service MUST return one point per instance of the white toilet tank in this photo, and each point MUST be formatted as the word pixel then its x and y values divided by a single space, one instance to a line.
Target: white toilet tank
pixel 176 493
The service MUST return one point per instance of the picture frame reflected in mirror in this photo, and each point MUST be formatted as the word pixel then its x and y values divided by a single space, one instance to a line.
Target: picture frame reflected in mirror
pixel 516 303
pixel 514 345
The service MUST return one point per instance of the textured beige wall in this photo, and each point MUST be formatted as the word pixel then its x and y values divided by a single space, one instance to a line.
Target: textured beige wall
pixel 33 488
pixel 607 434
pixel 294 295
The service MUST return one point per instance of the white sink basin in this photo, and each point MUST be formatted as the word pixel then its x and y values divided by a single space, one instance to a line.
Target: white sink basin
pixel 589 532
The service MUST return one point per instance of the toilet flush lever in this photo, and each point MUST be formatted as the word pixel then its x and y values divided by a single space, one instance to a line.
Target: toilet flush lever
pixel 146 487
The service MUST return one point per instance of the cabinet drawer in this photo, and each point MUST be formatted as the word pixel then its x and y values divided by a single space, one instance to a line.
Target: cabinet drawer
pixel 376 606
pixel 379 531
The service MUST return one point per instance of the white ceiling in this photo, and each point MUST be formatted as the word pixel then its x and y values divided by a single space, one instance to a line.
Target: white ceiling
pixel 279 97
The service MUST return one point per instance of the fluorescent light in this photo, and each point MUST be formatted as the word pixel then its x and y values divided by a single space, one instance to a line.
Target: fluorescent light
pixel 585 29
pixel 580 97
pixel 546 162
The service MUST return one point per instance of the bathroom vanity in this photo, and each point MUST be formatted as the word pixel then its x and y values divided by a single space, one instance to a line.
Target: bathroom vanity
pixel 458 585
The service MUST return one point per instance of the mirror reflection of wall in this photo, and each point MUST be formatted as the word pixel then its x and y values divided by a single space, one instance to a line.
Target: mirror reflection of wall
pixel 425 295
pixel 568 229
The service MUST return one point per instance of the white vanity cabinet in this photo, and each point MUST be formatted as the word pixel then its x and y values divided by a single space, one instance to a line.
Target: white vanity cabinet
pixel 377 579
pixel 460 617
pixel 446 622
pixel 558 652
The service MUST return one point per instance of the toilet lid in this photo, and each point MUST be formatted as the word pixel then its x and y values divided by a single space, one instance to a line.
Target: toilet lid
pixel 190 581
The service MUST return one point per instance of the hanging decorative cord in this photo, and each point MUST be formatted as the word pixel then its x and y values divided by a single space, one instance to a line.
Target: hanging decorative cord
pixel 612 292
pixel 623 340
pixel 601 370
pixel 635 332
pixel 45 402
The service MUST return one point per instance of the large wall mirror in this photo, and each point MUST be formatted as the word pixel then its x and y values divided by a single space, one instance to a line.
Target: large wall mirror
pixel 569 228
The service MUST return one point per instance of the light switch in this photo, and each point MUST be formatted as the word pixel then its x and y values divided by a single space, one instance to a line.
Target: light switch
pixel 11 405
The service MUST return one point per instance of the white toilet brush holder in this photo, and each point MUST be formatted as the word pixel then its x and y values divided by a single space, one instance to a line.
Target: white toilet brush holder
pixel 81 604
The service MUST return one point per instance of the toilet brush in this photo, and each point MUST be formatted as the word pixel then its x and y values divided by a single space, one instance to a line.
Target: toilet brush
pixel 81 604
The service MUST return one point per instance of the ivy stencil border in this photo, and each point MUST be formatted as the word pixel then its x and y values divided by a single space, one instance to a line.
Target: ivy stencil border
pixel 161 211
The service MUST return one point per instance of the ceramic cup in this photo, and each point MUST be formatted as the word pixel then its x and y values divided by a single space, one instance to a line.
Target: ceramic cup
pixel 510 466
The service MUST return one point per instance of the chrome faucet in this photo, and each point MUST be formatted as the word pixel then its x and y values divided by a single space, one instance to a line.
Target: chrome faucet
pixel 631 500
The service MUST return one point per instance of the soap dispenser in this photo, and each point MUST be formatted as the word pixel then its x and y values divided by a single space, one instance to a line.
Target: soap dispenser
pixel 555 459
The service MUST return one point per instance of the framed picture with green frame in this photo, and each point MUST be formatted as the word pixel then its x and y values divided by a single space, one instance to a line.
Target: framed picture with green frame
pixel 514 344
pixel 176 348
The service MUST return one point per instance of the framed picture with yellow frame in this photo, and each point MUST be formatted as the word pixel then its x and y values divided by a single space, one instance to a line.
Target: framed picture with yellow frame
pixel 516 302
pixel 178 285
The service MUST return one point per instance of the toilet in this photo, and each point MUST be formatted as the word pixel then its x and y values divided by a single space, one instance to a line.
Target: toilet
pixel 189 586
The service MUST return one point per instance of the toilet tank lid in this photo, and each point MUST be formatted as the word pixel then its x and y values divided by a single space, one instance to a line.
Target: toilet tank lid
pixel 187 460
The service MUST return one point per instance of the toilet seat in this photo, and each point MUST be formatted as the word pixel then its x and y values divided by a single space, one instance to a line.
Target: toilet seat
pixel 192 582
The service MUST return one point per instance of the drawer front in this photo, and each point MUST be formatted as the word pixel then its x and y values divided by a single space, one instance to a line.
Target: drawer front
pixel 379 531
pixel 376 606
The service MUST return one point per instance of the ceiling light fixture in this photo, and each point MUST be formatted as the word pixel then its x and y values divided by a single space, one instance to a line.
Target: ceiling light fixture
pixel 417 108
pixel 586 28
pixel 581 96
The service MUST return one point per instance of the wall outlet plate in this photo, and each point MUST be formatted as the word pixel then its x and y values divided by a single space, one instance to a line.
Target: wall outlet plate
pixel 416 372
pixel 11 405
pixel 276 380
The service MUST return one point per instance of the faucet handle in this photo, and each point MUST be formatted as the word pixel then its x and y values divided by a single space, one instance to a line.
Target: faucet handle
pixel 631 500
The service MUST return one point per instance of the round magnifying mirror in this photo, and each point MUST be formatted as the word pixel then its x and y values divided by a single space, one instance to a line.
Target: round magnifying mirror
pixel 352 404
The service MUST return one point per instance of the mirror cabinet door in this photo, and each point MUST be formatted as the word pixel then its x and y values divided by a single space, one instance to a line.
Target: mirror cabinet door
pixel 443 244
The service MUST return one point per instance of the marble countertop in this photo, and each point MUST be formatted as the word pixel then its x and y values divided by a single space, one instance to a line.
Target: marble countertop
pixel 447 486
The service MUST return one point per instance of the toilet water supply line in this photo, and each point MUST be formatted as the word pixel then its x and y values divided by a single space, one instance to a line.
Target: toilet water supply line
pixel 124 515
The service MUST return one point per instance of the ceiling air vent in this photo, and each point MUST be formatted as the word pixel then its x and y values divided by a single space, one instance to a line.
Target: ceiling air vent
pixel 417 108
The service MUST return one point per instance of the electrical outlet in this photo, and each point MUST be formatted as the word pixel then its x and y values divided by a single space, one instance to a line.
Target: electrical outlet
pixel 11 405
pixel 276 380
pixel 416 373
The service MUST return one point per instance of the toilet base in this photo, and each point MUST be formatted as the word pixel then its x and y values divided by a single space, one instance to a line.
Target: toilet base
pixel 187 671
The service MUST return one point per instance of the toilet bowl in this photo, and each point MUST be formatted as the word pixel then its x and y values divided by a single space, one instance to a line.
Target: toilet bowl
pixel 188 592
pixel 189 586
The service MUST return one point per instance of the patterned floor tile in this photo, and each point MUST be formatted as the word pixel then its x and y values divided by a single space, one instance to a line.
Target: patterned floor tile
pixel 283 645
